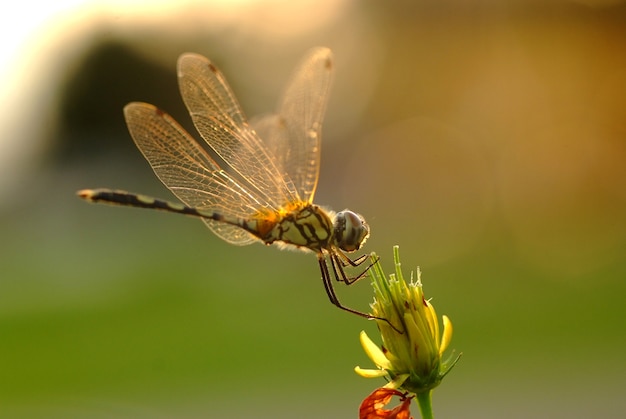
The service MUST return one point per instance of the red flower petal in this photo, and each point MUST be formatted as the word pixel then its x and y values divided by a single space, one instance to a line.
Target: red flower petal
pixel 372 406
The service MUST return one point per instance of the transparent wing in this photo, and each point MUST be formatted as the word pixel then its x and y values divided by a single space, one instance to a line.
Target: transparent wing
pixel 293 135
pixel 222 124
pixel 230 233
pixel 188 171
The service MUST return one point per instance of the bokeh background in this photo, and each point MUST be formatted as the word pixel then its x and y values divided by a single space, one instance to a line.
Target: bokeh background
pixel 487 139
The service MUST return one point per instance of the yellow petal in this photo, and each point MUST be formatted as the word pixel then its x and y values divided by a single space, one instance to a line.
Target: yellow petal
pixel 447 334
pixel 433 323
pixel 373 352
pixel 397 382
pixel 367 373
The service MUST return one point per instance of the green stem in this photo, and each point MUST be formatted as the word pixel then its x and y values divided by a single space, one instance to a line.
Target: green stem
pixel 425 402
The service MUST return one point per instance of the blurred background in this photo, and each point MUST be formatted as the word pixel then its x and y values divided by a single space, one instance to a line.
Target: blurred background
pixel 487 139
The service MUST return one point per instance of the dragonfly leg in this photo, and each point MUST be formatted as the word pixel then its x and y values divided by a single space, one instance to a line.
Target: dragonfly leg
pixel 341 261
pixel 332 296
pixel 346 261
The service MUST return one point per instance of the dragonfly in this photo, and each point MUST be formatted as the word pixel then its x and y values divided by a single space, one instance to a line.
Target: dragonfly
pixel 248 181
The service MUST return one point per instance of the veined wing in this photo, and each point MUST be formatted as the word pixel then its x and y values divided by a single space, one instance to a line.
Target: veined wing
pixel 188 171
pixel 221 123
pixel 293 135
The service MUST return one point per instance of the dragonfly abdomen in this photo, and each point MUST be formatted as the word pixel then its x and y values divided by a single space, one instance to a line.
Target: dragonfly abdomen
pixel 117 197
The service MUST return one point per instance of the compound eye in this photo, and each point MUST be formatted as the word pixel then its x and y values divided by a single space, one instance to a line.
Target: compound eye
pixel 351 231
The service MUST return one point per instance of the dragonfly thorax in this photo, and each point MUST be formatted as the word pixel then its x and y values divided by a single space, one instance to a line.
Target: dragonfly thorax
pixel 350 231
pixel 300 224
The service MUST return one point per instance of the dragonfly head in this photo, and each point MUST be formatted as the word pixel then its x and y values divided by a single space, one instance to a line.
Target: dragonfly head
pixel 350 230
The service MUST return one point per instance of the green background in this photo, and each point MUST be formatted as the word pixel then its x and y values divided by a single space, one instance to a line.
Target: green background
pixel 488 141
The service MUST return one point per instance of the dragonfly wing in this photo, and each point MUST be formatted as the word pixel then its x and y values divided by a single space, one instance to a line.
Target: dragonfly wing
pixel 186 169
pixel 222 124
pixel 230 233
pixel 293 136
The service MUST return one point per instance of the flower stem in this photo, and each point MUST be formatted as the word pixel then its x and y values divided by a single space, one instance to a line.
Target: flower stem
pixel 425 402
